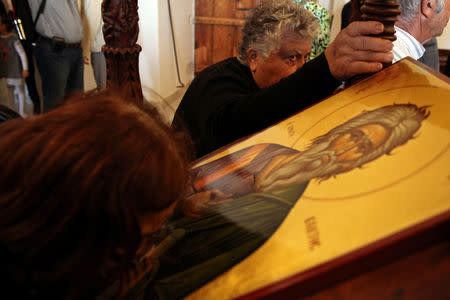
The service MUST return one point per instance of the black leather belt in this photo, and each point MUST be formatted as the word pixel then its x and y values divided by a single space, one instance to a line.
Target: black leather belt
pixel 66 45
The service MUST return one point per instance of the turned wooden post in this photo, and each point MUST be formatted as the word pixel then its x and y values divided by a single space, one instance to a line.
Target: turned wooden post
pixel 384 11
pixel 121 31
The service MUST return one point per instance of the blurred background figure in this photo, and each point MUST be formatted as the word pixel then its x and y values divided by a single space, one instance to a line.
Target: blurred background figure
pixel 321 42
pixel 16 63
pixel 20 14
pixel 93 40
pixel 419 22
pixel 58 52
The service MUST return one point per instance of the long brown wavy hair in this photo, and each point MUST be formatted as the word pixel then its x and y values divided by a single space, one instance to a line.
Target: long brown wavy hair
pixel 73 183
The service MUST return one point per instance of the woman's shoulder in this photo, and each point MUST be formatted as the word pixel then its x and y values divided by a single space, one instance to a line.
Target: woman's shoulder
pixel 228 68
pixel 225 64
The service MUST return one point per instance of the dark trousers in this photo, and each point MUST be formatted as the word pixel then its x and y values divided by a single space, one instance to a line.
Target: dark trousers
pixel 30 80
pixel 61 72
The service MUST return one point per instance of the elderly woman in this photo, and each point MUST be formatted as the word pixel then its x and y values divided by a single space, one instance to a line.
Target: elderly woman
pixel 270 80
pixel 79 188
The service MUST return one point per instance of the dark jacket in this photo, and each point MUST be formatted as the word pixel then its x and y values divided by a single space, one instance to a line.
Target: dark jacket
pixel 224 104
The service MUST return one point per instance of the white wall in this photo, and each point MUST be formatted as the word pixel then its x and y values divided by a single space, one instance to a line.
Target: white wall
pixel 157 60
pixel 326 3
pixel 444 39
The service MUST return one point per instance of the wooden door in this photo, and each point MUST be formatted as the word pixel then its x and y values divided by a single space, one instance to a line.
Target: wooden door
pixel 218 25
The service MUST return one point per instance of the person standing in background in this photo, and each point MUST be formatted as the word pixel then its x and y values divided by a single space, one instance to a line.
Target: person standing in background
pixel 58 49
pixel 420 21
pixel 16 64
pixel 321 42
pixel 21 11
pixel 93 39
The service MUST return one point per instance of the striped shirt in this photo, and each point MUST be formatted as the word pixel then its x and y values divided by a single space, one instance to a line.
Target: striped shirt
pixel 406 45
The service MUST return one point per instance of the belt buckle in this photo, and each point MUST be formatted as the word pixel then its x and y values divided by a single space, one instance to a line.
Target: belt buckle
pixel 58 44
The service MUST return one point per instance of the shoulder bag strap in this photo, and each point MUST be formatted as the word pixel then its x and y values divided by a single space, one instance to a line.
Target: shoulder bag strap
pixel 40 11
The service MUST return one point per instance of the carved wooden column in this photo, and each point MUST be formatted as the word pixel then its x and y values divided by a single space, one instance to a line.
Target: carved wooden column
pixel 384 11
pixel 121 31
pixel 356 10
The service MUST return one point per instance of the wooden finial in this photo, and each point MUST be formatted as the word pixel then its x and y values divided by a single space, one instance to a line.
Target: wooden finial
pixel 120 31
pixel 384 11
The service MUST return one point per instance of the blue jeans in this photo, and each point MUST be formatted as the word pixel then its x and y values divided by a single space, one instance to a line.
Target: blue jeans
pixel 61 72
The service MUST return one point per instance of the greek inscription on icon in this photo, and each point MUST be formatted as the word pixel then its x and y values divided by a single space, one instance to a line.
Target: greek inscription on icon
pixel 291 131
pixel 312 232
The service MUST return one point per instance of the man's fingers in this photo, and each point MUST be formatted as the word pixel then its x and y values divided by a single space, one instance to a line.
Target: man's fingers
pixel 369 56
pixel 364 67
pixel 371 43
pixel 364 28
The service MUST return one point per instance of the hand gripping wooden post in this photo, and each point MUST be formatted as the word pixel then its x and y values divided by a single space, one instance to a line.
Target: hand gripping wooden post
pixel 120 31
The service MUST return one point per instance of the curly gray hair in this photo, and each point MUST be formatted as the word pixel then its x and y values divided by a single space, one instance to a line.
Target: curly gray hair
pixel 410 8
pixel 267 24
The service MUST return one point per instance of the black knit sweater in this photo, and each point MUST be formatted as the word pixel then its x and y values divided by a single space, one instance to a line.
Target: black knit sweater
pixel 223 103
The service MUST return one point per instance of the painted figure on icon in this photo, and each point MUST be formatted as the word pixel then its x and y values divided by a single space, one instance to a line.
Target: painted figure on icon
pixel 237 202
